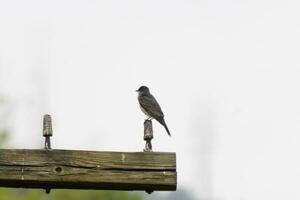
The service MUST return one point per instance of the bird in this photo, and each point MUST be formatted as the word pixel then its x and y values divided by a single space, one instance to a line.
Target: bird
pixel 150 106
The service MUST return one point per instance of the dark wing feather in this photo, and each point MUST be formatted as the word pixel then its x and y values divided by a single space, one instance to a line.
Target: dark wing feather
pixel 151 106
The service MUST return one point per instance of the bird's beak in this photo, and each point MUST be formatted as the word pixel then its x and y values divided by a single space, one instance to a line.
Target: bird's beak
pixel 136 90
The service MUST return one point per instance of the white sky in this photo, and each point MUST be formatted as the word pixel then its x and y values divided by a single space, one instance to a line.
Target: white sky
pixel 226 74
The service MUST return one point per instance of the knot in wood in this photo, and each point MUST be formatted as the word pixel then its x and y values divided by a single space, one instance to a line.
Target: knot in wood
pixel 58 170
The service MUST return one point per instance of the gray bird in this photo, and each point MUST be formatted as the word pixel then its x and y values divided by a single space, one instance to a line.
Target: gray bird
pixel 150 106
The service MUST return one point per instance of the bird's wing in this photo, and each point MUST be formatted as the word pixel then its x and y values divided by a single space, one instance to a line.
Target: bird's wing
pixel 151 106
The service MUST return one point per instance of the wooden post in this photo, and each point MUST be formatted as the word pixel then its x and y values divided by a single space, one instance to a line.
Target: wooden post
pixel 47 133
pixel 148 135
pixel 70 169
pixel 47 130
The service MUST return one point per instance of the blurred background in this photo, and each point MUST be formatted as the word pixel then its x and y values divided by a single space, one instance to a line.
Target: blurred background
pixel 226 74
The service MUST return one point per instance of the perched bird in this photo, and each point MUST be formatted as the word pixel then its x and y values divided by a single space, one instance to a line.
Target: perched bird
pixel 150 106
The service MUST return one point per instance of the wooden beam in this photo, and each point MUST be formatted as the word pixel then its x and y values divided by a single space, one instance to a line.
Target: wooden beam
pixel 87 169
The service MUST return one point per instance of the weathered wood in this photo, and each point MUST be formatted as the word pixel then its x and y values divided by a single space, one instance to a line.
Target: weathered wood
pixel 148 135
pixel 47 130
pixel 87 169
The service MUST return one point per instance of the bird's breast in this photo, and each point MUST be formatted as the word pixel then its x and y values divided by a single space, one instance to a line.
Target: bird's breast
pixel 144 111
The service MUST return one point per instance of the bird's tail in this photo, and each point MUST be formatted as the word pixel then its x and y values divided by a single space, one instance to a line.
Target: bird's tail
pixel 162 122
pixel 165 125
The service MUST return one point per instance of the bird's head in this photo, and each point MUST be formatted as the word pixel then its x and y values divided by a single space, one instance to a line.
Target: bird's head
pixel 143 89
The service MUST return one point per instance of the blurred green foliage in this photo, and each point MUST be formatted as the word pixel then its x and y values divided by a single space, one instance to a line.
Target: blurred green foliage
pixel 57 194
pixel 3 137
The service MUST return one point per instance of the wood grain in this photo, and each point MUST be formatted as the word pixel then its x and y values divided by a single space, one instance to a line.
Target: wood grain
pixel 87 169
